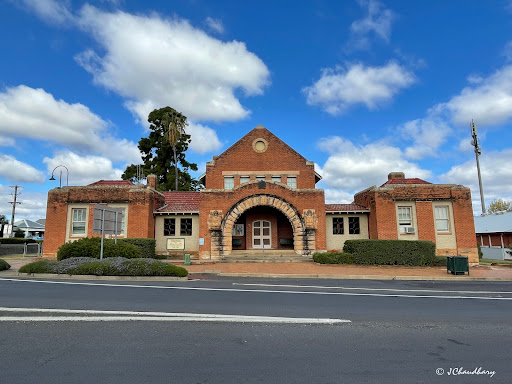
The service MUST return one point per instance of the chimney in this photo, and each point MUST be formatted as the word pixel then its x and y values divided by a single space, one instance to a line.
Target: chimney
pixel 396 175
pixel 151 181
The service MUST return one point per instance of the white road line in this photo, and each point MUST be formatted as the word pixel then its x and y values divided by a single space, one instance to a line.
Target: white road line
pixel 365 289
pixel 155 316
pixel 261 290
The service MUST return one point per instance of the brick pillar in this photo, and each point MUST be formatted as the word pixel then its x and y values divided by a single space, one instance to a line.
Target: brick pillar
pixel 151 180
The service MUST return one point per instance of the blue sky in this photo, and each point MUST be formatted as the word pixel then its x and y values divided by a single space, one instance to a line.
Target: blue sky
pixel 362 88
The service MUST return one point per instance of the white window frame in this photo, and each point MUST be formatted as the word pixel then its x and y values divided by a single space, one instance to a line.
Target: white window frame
pixel 405 222
pixel 439 219
pixel 73 221
pixel 229 182
pixel 276 179
pixel 261 178
pixel 291 181
pixel 244 179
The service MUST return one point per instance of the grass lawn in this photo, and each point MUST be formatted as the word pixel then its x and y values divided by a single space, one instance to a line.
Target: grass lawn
pixel 491 261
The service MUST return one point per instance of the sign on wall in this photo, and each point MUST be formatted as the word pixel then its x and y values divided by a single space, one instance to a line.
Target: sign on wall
pixel 175 244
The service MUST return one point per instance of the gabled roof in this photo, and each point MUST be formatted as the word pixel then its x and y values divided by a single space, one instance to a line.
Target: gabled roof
pixel 495 223
pixel 112 182
pixel 345 208
pixel 28 224
pixel 405 181
pixel 180 202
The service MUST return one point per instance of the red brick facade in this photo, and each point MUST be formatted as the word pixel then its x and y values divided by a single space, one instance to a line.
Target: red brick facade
pixel 261 179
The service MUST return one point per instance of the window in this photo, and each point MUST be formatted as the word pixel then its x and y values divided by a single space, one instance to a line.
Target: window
pixel 291 181
pixel 353 225
pixel 229 182
pixel 260 178
pixel 123 221
pixel 244 179
pixel 169 227
pixel 78 221
pixel 337 225
pixel 404 216
pixel 186 227
pixel 442 218
pixel 276 179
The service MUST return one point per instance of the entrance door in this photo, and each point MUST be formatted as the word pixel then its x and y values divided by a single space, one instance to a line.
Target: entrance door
pixel 261 234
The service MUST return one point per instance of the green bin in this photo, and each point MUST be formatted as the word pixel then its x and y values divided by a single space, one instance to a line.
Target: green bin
pixel 187 259
pixel 457 265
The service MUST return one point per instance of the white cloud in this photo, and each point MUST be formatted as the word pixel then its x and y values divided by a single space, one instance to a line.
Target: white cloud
pixel 204 139
pixel 83 170
pixel 51 11
pixel 32 207
pixel 35 114
pixel 153 62
pixel 336 196
pixel 496 176
pixel 351 168
pixel 377 21
pixel 7 142
pixel 427 134
pixel 340 88
pixel 17 171
pixel 214 24
pixel 487 100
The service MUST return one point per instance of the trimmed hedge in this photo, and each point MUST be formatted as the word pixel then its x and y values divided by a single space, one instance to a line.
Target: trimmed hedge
pixel 90 247
pixel 4 265
pixel 333 258
pixel 391 252
pixel 147 246
pixel 115 266
pixel 440 261
pixel 15 240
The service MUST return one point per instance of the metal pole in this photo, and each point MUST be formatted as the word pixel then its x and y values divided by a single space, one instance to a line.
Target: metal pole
pixel 102 232
pixel 13 210
pixel 115 230
pixel 478 152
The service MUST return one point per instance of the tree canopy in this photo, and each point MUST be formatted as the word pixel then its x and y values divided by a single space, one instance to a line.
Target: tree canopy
pixel 167 136
pixel 498 205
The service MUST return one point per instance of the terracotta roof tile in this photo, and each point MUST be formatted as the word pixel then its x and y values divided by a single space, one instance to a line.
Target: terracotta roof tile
pixel 112 182
pixel 405 181
pixel 180 202
pixel 344 208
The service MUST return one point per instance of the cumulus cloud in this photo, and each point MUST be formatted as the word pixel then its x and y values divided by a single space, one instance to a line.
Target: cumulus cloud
pixel 83 170
pixel 341 88
pixel 204 139
pixel 377 22
pixel 51 11
pixel 427 134
pixel 17 171
pixel 496 175
pixel 32 207
pixel 351 168
pixel 214 24
pixel 153 62
pixel 35 114
pixel 337 196
pixel 7 142
pixel 487 100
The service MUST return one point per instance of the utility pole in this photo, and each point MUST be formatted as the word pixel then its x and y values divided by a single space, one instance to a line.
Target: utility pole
pixel 14 202
pixel 478 152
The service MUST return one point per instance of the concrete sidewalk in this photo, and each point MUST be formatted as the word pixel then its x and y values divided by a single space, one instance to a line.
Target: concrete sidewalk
pixel 323 271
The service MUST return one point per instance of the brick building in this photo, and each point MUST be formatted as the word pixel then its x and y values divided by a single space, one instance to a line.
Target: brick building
pixel 260 195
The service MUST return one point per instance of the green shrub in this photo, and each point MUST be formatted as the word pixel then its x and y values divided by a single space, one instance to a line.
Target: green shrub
pixel 391 252
pixel 42 266
pixel 4 265
pixel 333 258
pixel 90 247
pixel 147 246
pixel 440 261
pixel 480 253
pixel 15 240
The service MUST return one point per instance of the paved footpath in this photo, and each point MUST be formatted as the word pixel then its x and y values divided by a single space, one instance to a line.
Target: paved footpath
pixel 313 270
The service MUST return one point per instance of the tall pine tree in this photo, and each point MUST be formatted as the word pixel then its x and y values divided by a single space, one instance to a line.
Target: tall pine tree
pixel 166 142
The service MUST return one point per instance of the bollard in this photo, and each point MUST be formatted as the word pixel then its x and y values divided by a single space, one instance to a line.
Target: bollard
pixel 187 259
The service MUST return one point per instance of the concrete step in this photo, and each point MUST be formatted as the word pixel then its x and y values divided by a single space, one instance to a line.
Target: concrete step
pixel 264 259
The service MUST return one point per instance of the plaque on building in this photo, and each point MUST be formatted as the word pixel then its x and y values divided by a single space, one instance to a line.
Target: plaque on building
pixel 175 244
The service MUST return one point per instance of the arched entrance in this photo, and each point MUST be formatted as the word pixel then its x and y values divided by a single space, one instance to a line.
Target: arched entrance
pixel 303 234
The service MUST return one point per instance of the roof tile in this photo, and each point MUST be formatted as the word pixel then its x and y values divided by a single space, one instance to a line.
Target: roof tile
pixel 180 202
pixel 344 208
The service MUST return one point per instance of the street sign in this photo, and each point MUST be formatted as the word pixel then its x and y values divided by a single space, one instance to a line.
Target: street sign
pixel 107 220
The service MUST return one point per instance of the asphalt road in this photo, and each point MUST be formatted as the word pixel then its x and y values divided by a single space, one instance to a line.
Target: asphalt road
pixel 396 331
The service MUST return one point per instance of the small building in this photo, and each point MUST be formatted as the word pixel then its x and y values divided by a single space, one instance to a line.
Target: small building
pixel 494 235
pixel 31 228
pixel 260 196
